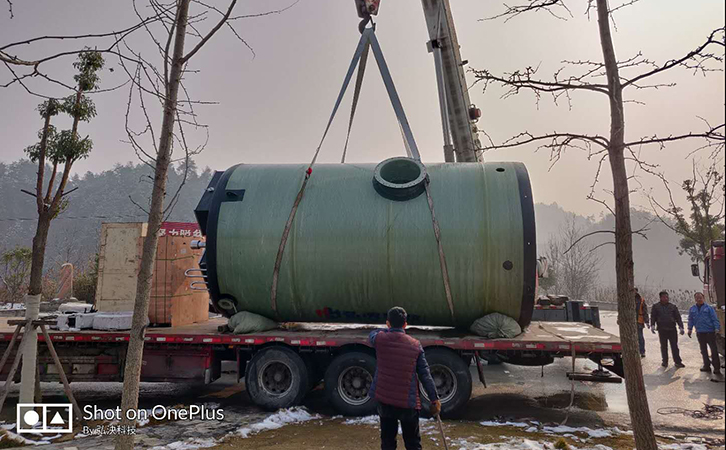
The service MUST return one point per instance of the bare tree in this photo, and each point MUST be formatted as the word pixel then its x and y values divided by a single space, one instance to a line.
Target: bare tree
pixel 162 86
pixel 704 193
pixel 575 266
pixel 607 77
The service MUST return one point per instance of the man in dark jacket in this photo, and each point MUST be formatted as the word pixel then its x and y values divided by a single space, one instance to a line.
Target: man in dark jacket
pixel 703 317
pixel 643 321
pixel 665 316
pixel 400 364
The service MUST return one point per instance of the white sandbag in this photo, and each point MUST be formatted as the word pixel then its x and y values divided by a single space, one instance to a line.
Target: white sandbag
pixel 113 320
pixel 62 322
pixel 65 322
pixel 74 307
pixel 246 322
pixel 494 326
pixel 84 321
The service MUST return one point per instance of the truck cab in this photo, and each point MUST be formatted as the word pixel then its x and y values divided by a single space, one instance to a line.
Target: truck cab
pixel 713 284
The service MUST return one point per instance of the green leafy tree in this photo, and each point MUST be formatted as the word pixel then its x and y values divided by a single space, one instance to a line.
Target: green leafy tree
pixel 704 193
pixel 16 268
pixel 62 148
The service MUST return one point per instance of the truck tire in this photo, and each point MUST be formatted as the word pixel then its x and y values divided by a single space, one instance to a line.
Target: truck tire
pixel 275 378
pixel 347 382
pixel 453 382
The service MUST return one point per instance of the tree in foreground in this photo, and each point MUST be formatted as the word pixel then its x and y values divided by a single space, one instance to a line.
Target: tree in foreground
pixel 61 149
pixel 608 78
pixel 162 85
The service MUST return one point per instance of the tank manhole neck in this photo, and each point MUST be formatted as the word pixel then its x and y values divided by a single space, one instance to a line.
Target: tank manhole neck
pixel 400 178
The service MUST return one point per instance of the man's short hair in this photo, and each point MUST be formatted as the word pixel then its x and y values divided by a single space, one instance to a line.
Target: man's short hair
pixel 662 293
pixel 396 317
pixel 699 293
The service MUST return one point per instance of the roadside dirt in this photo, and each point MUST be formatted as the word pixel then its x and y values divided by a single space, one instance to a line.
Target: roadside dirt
pixel 337 435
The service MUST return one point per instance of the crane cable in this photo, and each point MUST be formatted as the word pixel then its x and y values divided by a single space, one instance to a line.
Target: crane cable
pixel 368 39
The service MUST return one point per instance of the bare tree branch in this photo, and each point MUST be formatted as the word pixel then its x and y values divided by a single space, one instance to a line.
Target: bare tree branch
pixel 511 12
pixel 211 33
pixel 697 56
pixel 713 136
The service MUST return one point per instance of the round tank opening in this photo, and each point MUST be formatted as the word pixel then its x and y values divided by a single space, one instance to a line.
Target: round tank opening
pixel 401 171
pixel 400 178
pixel 500 169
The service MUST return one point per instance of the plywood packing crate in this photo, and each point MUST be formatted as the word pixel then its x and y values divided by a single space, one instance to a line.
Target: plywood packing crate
pixel 172 302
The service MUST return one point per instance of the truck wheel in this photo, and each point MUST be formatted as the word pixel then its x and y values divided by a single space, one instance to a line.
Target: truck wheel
pixel 453 381
pixel 276 377
pixel 347 382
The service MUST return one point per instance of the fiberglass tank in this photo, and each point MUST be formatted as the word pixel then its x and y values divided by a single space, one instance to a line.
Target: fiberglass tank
pixel 363 241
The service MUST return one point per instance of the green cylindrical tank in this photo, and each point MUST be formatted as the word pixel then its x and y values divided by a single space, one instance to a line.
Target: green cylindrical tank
pixel 363 241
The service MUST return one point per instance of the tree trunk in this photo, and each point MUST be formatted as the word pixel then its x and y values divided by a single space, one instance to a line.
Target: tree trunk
pixel 39 242
pixel 627 317
pixel 41 165
pixel 132 371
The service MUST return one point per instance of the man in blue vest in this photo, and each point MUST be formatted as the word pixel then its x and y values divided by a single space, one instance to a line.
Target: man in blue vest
pixel 400 364
pixel 703 317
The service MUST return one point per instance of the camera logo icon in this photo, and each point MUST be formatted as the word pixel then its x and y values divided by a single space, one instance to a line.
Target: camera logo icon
pixel 44 418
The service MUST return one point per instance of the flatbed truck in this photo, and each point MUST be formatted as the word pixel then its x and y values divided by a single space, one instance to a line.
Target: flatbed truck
pixel 280 367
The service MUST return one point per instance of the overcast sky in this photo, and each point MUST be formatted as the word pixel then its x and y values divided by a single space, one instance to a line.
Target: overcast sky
pixel 273 107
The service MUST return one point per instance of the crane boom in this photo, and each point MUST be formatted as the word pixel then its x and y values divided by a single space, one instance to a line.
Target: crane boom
pixel 457 109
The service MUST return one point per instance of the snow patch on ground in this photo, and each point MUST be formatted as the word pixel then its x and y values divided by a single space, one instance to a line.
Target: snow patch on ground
pixel 490 423
pixel 12 306
pixel 368 420
pixel 275 421
pixel 560 429
pixel 278 420
pixel 191 444
pixel 683 447
pixel 516 444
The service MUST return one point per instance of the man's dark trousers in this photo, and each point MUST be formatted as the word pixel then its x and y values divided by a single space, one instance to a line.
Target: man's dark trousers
pixel 706 340
pixel 390 416
pixel 671 336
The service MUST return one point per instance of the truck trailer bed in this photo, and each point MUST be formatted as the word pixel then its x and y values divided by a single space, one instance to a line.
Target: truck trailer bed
pixel 550 337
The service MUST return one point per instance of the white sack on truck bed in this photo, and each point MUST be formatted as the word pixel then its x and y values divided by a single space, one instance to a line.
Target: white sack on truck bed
pixel 495 326
pixel 74 307
pixel 246 322
pixel 113 320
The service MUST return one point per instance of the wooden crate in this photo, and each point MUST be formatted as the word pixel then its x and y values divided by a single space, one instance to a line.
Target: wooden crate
pixel 172 302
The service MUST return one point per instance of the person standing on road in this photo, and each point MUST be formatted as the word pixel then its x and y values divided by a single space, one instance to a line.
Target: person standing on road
pixel 665 316
pixel 400 364
pixel 703 317
pixel 643 321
